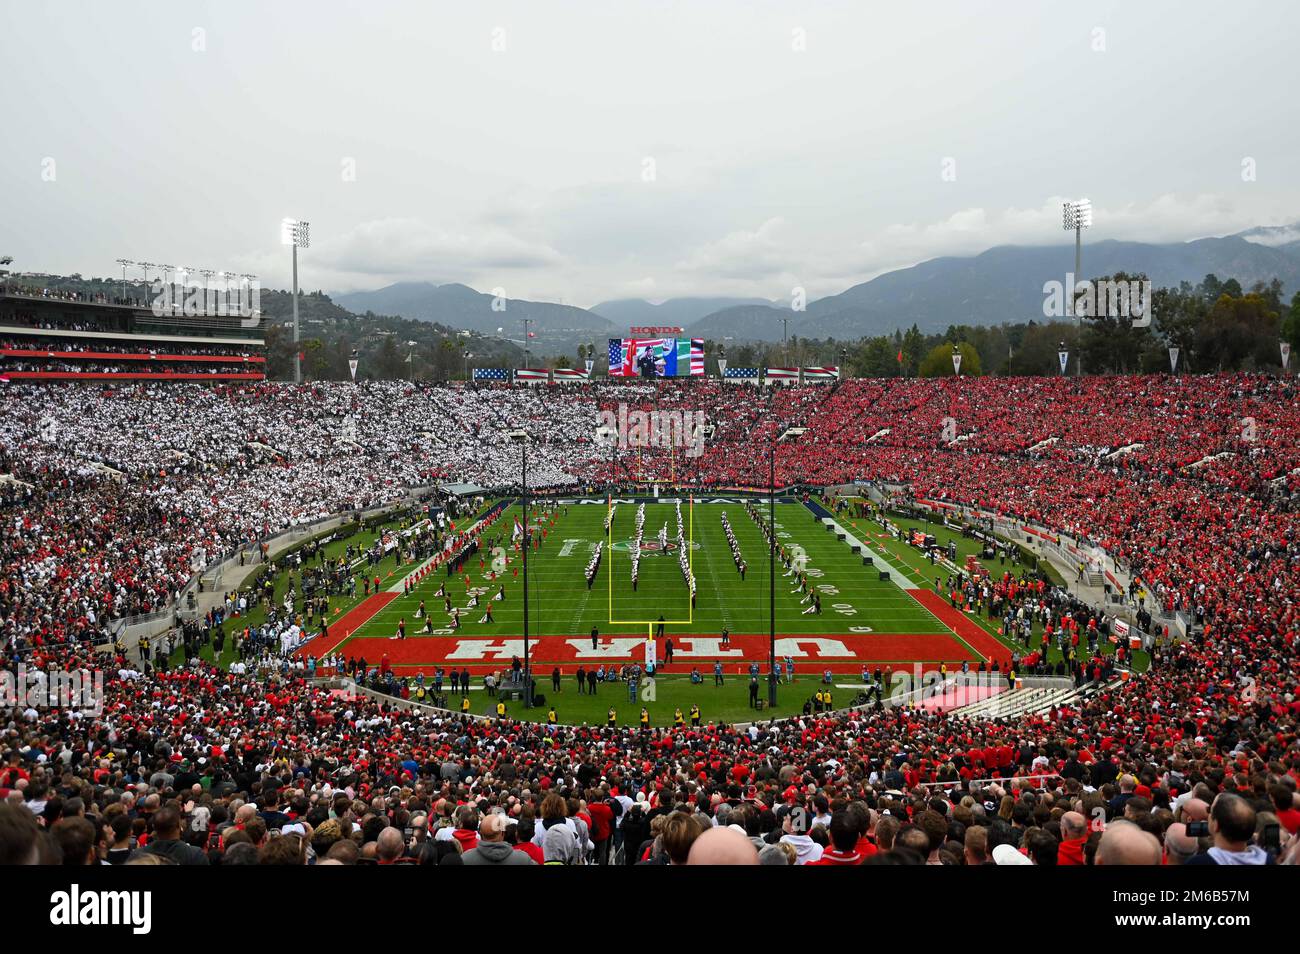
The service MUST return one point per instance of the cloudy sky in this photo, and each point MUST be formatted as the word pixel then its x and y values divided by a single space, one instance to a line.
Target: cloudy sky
pixel 580 151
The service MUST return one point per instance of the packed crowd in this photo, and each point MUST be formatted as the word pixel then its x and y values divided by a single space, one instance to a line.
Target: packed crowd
pixel 1192 481
pixel 137 367
pixel 135 349
pixel 226 769
pixel 27 290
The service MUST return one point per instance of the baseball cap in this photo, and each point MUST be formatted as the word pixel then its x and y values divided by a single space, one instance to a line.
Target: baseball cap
pixel 1007 855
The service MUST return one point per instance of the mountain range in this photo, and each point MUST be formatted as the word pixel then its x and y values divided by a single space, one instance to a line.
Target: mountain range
pixel 553 327
pixel 1004 283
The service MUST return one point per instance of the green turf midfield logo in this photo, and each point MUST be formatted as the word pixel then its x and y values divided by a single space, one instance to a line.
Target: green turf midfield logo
pixel 651 547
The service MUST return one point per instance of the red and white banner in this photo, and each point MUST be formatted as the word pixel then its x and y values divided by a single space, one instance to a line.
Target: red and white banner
pixel 570 374
pixel 781 376
pixel 533 375
pixel 821 374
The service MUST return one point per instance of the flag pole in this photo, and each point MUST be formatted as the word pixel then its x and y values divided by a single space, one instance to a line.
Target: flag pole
pixel 771 575
pixel 528 669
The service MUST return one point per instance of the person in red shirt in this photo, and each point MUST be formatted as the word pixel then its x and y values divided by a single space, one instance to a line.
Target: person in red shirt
pixel 523 832
pixel 991 759
pixel 866 843
pixel 602 823
pixel 844 840
pixel 1074 835
pixel 1284 803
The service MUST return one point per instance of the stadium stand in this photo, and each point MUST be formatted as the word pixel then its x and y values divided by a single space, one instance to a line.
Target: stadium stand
pixel 63 335
pixel 1202 511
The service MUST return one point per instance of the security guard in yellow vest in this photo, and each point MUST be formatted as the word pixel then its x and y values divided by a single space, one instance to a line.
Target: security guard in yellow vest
pixel 826 699
pixel 613 718
pixel 501 709
pixel 551 717
pixel 645 719
pixel 464 704
pixel 817 698
pixel 678 720
pixel 695 715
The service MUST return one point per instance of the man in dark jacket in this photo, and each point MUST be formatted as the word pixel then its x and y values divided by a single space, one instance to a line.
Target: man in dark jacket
pixel 166 840
pixel 636 830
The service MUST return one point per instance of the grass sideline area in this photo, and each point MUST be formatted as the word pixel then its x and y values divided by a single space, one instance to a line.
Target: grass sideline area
pixel 920 572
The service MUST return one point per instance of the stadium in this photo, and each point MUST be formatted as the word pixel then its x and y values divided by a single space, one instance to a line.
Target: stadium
pixel 288 579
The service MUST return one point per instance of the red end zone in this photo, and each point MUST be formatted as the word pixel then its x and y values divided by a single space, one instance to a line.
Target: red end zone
pixel 845 653
pixel 841 653
pixel 962 625
pixel 346 625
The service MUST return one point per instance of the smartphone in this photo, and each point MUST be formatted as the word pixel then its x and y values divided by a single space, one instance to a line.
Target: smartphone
pixel 1270 839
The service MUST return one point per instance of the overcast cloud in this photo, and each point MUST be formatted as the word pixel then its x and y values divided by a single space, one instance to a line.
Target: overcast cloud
pixel 580 151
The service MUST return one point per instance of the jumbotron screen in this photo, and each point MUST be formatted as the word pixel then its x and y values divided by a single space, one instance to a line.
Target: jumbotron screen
pixel 655 357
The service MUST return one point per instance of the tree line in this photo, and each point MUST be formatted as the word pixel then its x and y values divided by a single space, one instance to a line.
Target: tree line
pixel 1214 325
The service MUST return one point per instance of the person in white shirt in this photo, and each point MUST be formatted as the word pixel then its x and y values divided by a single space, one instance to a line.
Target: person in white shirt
pixel 794 823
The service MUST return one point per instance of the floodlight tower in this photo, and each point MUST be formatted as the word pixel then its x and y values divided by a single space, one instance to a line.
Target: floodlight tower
pixel 1077 215
pixel 124 262
pixel 207 274
pixel 146 266
pixel 298 235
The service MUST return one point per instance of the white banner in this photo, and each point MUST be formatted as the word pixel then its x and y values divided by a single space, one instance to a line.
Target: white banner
pixel 1173 360
pixel 650 654
pixel 1064 357
pixel 722 367
pixel 1286 354
pixel 956 362
pixel 352 366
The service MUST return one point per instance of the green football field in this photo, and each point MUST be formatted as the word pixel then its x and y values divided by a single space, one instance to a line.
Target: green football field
pixel 560 602
pixel 865 621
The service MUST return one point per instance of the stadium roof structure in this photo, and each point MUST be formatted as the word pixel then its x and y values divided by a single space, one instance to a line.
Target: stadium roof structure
pixel 461 490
